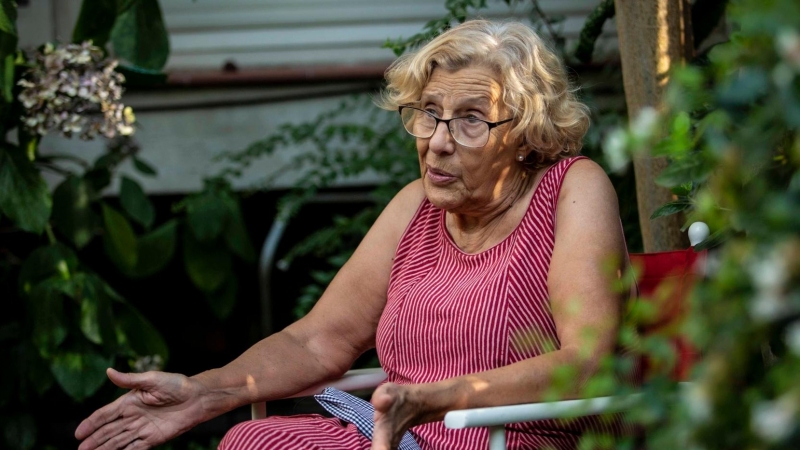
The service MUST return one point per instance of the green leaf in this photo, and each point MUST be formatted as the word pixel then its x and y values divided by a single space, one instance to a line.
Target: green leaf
pixel 46 262
pixel 24 195
pixel 72 213
pixel 95 21
pixel 156 249
pixel 7 70
pixel 20 432
pixel 97 318
pixel 9 379
pixel 140 37
pixel 8 17
pixel 124 5
pixel 223 301
pixel 140 77
pixel 671 208
pixel 119 239
pixel 715 240
pixel 592 29
pixel 8 48
pixel 47 310
pixel 682 124
pixel 135 202
pixel 207 265
pixel 35 369
pixel 80 373
pixel 98 177
pixel 29 142
pixel 140 335
pixel 208 215
pixel 143 167
pixel 682 190
pixel 236 233
pixel 686 170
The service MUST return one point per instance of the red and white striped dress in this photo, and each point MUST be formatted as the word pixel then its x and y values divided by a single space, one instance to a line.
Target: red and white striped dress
pixel 449 313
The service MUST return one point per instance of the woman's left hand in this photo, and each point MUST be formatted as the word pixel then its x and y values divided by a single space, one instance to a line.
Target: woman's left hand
pixel 397 408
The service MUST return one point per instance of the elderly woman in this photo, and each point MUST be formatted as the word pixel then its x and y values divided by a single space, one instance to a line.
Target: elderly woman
pixel 476 284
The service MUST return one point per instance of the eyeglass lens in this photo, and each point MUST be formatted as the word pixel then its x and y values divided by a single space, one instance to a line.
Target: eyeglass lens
pixel 466 131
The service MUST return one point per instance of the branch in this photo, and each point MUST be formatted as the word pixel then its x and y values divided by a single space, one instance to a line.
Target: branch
pixel 592 29
pixel 538 10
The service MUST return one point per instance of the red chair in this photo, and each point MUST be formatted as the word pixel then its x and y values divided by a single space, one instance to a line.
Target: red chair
pixel 665 280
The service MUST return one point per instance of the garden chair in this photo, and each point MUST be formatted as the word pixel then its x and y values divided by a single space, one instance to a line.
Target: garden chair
pixel 663 277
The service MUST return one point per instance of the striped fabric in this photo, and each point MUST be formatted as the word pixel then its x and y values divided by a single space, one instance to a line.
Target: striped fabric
pixel 448 314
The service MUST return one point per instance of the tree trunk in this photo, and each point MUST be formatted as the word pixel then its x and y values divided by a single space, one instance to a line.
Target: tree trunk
pixel 654 35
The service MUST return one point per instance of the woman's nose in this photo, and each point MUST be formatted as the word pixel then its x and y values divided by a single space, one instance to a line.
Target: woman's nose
pixel 442 140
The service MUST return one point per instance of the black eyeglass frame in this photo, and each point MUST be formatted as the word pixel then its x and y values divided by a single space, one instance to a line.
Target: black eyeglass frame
pixel 492 125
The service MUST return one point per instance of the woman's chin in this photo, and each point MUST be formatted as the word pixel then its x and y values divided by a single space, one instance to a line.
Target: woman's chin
pixel 443 197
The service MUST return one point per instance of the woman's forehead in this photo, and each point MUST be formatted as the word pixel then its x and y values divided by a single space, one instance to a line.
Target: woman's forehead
pixel 472 84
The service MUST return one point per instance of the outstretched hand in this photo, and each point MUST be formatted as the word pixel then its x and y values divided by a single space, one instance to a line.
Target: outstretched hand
pixel 159 407
pixel 397 408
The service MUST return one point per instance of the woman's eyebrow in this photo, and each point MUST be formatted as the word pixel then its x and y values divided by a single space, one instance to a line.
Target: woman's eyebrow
pixel 478 100
pixel 430 95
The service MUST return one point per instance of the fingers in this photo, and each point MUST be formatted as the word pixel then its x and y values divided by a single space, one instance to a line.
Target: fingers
pixel 138 445
pixel 99 418
pixel 383 398
pixel 121 440
pixel 142 381
pixel 100 437
pixel 112 411
pixel 389 426
pixel 381 436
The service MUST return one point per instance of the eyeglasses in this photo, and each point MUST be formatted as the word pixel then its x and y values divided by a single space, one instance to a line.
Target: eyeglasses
pixel 467 131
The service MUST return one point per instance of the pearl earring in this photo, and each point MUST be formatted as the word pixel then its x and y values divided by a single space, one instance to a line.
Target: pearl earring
pixel 520 157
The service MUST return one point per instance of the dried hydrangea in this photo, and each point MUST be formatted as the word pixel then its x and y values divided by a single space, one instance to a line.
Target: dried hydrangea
pixel 148 363
pixel 73 89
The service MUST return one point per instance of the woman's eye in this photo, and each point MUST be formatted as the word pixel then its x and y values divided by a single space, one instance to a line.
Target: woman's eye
pixel 431 111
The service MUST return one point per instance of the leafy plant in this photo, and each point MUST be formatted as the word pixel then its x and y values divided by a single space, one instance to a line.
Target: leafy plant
pixel 730 131
pixel 342 148
pixel 64 324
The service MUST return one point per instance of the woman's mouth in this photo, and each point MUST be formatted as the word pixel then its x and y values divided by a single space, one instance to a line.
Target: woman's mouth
pixel 440 177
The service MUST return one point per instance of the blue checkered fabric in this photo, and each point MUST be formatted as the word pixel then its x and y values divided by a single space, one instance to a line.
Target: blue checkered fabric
pixel 358 412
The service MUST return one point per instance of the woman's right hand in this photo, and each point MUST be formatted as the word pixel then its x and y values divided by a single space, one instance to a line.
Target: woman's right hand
pixel 159 407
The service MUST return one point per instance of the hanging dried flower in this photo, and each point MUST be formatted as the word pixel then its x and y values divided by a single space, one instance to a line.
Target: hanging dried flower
pixel 73 89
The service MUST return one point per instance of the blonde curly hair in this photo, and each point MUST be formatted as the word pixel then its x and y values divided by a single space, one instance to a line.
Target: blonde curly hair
pixel 548 118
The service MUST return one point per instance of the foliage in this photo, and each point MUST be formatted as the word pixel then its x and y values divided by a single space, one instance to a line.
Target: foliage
pixel 592 29
pixel 730 132
pixel 343 146
pixel 64 324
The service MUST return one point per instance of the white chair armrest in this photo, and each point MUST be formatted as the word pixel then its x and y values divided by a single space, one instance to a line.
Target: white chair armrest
pixel 353 380
pixel 495 418
pixel 501 415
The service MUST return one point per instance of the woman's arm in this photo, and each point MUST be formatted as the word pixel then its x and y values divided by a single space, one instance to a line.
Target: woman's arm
pixel 586 312
pixel 322 345
pixel 341 326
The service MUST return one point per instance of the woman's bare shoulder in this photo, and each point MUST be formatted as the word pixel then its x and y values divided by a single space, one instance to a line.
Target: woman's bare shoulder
pixel 404 205
pixel 411 195
pixel 586 177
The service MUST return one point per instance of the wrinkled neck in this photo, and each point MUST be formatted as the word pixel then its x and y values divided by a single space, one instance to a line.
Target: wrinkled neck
pixel 478 231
